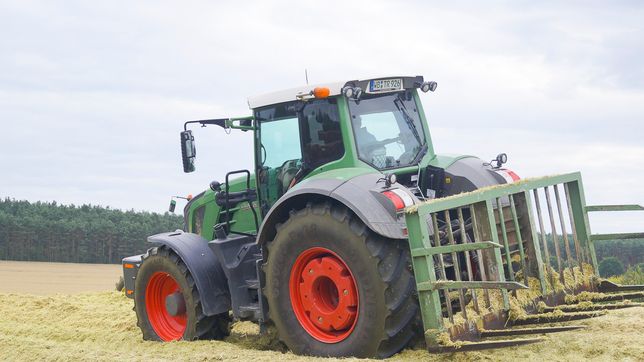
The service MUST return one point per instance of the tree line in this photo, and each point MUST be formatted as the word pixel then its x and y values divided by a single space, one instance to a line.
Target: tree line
pixel 44 231
pixel 47 231
pixel 627 252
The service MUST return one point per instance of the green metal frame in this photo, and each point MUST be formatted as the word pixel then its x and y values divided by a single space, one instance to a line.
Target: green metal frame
pixel 491 236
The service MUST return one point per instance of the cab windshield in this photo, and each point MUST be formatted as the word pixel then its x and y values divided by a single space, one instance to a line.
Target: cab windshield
pixel 387 129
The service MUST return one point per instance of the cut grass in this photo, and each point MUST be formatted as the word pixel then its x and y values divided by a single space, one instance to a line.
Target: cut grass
pixel 102 326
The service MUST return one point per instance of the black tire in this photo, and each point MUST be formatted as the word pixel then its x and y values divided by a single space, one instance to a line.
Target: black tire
pixel 198 326
pixel 387 316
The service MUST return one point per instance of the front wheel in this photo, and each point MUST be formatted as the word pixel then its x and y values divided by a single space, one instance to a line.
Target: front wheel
pixel 334 288
pixel 167 302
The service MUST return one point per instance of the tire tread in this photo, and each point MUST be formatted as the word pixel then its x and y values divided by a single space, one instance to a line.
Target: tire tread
pixel 402 324
pixel 207 327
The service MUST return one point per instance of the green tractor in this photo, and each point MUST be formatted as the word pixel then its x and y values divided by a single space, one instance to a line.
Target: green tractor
pixel 320 239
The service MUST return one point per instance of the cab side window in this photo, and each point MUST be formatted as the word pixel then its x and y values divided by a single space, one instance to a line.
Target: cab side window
pixel 321 135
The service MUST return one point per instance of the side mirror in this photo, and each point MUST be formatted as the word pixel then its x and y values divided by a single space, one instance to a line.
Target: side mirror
pixel 188 151
pixel 173 204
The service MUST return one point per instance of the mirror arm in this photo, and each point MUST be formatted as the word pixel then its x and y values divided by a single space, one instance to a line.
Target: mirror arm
pixel 221 122
pixel 225 123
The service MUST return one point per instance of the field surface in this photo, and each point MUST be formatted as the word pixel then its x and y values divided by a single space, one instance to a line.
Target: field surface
pixel 50 278
pixel 102 326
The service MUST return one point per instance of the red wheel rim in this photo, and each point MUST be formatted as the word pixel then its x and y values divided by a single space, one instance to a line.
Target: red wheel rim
pixel 323 295
pixel 166 326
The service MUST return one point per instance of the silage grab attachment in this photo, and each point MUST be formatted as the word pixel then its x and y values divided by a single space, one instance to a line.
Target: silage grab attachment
pixel 520 254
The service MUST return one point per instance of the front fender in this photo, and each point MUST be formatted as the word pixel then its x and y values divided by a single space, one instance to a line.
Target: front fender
pixel 204 267
pixel 468 174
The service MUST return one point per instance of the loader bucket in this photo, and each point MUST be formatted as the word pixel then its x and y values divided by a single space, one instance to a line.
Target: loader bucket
pixel 519 254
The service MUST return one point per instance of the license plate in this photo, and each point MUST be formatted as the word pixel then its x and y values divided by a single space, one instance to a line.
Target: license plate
pixel 385 85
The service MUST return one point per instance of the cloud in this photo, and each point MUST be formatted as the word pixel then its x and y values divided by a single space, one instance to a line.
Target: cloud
pixel 92 95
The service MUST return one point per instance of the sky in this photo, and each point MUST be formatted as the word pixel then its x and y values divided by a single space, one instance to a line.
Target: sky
pixel 93 94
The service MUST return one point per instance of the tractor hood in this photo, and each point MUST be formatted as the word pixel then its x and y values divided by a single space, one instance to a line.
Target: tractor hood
pixel 465 173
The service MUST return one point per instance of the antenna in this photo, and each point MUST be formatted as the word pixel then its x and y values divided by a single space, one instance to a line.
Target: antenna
pixel 306 75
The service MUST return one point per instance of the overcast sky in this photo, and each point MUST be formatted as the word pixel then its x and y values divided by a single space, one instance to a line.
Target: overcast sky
pixel 94 94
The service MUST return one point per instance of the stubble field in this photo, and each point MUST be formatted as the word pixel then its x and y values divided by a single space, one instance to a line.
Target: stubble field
pixel 48 313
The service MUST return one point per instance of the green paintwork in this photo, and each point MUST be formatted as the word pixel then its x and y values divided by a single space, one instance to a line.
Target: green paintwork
pixel 517 230
pixel 621 236
pixel 242 217
pixel 535 243
pixel 454 248
pixel 429 300
pixel 446 160
pixel 632 207
pixel 234 123
pixel 504 234
pixel 497 252
pixel 343 174
pixel 484 204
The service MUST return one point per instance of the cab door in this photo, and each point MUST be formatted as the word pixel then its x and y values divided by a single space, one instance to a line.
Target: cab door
pixel 278 155
pixel 294 139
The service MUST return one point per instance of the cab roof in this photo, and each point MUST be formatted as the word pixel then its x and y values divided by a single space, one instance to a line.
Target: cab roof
pixel 335 89
pixel 290 94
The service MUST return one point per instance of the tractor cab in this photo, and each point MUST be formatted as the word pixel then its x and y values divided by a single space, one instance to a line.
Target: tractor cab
pixel 368 124
pixel 376 125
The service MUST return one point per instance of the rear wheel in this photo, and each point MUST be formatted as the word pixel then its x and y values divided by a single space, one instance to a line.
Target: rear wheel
pixel 334 288
pixel 167 302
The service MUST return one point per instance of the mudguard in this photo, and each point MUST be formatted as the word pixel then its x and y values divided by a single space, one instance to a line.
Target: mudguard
pixel 130 266
pixel 469 174
pixel 204 267
pixel 361 194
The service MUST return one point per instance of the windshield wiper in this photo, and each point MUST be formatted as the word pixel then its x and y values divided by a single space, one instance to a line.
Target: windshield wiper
pixel 420 155
pixel 410 122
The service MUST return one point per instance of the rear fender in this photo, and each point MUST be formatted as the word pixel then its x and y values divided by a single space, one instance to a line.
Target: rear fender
pixel 205 268
pixel 361 194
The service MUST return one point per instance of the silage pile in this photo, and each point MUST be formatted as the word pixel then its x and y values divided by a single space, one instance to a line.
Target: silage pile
pixel 102 326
